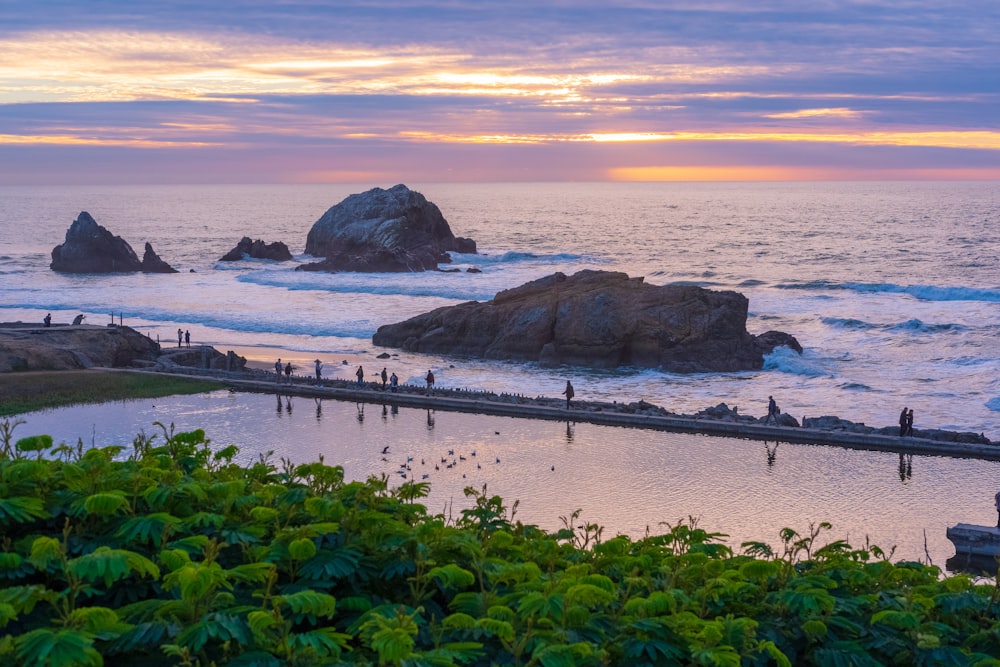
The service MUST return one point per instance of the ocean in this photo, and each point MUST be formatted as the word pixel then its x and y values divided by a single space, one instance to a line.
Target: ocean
pixel 893 290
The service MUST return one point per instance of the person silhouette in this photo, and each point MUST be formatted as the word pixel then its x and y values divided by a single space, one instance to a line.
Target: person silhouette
pixel 772 411
pixel 568 391
pixel 385 378
pixel 361 376
pixel 902 422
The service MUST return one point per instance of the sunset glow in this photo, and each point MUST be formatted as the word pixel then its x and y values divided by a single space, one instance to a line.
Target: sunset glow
pixel 623 87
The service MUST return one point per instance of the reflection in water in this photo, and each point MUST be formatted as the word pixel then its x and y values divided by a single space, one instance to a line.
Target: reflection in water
pixel 319 409
pixel 430 420
pixel 385 412
pixel 280 406
pixel 624 479
pixel 395 410
pixel 361 412
pixel 905 466
pixel 569 432
pixel 772 453
pixel 288 404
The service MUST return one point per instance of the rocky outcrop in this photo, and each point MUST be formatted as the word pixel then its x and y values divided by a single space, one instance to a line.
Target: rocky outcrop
pixel 200 356
pixel 63 347
pixel 151 262
pixel 598 319
pixel 90 248
pixel 383 230
pixel 73 347
pixel 258 249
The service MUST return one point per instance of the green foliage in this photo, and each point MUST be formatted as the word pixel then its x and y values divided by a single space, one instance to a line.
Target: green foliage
pixel 172 554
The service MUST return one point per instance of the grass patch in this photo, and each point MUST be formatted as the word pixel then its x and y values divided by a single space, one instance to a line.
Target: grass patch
pixel 27 392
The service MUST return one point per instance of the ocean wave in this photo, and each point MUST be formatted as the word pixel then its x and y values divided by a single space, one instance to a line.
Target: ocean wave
pixel 513 256
pixel 847 323
pixel 786 360
pixel 919 326
pixel 854 386
pixel 456 286
pixel 922 292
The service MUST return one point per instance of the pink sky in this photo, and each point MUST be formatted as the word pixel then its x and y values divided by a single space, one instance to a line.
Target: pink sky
pixel 382 92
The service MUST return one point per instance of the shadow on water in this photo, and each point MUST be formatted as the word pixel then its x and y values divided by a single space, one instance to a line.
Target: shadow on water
pixel 979 566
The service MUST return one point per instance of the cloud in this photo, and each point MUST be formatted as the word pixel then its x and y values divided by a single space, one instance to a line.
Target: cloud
pixel 711 75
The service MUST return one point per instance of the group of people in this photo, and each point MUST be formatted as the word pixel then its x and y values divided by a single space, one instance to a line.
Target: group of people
pixel 906 422
pixel 183 336
pixel 279 368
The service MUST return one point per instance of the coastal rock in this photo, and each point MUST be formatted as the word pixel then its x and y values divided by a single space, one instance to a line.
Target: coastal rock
pixel 24 348
pixel 90 248
pixel 201 356
pixel 597 319
pixel 383 230
pixel 151 262
pixel 258 249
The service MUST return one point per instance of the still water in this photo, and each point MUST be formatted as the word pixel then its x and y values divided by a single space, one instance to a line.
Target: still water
pixel 630 481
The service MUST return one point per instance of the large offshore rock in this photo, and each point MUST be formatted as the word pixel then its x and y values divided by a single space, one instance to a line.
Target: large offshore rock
pixel 383 230
pixel 90 248
pixel 598 319
pixel 257 250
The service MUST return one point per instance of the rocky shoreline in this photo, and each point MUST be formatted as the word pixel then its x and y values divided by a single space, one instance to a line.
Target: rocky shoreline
pixel 28 347
pixel 59 347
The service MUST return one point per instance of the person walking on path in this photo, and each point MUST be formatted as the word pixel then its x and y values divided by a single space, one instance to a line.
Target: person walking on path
pixel 288 372
pixel 361 376
pixel 277 370
pixel 902 422
pixel 568 391
pixel 430 382
pixel 909 422
pixel 385 378
pixel 319 370
pixel 187 338
pixel 393 382
pixel 772 411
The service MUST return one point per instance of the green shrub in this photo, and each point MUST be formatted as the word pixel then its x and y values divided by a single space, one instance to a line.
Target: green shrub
pixel 171 554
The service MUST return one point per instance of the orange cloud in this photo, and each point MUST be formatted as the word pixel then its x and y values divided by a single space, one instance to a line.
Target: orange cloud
pixel 779 173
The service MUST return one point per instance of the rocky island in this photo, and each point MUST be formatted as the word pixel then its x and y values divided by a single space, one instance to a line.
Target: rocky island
pixel 598 319
pixel 90 248
pixel 380 230
pixel 258 249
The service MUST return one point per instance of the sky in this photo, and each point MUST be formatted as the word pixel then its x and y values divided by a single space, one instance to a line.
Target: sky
pixel 387 91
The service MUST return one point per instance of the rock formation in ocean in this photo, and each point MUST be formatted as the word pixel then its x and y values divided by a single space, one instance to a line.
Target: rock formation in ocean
pixel 257 250
pixel 90 248
pixel 598 319
pixel 151 262
pixel 383 230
